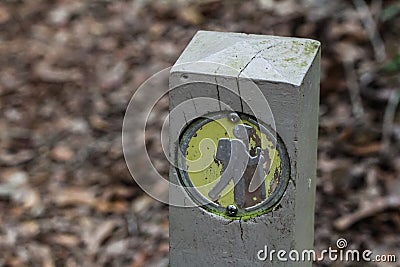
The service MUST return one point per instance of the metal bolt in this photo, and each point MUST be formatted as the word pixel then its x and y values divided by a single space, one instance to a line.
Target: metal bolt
pixel 233 117
pixel 232 210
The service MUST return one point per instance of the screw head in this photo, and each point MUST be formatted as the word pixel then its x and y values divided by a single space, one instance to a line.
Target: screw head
pixel 233 117
pixel 232 210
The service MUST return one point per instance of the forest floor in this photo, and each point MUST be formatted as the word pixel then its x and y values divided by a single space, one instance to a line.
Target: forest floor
pixel 69 69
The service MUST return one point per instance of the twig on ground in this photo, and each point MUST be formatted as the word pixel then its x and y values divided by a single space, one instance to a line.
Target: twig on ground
pixel 354 89
pixel 375 207
pixel 388 119
pixel 371 29
pixel 376 9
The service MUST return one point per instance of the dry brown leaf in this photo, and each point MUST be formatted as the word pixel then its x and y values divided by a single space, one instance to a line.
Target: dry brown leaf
pixel 119 247
pixel 62 153
pixel 66 240
pixel 29 229
pixel 364 150
pixel 142 203
pixel 113 77
pixel 191 15
pixel 4 15
pixel 47 73
pixel 13 159
pixel 96 238
pixel 119 192
pixel 98 123
pixel 139 259
pixel 115 207
pixel 75 196
pixel 42 253
pixel 349 52
pixel 31 200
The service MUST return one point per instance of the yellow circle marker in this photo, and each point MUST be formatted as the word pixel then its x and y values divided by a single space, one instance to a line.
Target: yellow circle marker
pixel 229 163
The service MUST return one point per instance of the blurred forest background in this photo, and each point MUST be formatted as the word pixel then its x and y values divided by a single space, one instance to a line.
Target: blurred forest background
pixel 69 67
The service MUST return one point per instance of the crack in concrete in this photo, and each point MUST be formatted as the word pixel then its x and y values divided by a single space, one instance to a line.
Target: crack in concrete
pixel 254 57
pixel 240 95
pixel 184 116
pixel 248 63
pixel 241 229
pixel 216 82
pixel 194 103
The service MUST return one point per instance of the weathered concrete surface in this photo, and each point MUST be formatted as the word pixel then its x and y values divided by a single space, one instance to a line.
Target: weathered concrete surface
pixel 286 70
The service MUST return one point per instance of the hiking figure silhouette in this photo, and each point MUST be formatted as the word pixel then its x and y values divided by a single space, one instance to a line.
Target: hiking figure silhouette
pixel 235 157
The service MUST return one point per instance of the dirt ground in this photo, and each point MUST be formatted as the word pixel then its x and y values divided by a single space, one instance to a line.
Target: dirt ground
pixel 68 69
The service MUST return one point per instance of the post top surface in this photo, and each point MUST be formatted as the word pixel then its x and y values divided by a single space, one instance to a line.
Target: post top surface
pixel 258 57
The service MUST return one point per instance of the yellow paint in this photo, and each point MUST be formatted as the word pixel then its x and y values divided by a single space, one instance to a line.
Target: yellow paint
pixel 204 171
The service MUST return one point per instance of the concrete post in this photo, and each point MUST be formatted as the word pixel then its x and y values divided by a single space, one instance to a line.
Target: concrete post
pixel 258 89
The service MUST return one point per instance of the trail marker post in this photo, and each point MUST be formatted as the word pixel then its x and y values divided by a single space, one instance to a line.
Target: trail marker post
pixel 243 147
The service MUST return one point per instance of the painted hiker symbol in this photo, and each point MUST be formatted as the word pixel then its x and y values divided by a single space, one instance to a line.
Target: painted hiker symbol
pixel 232 165
pixel 235 158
